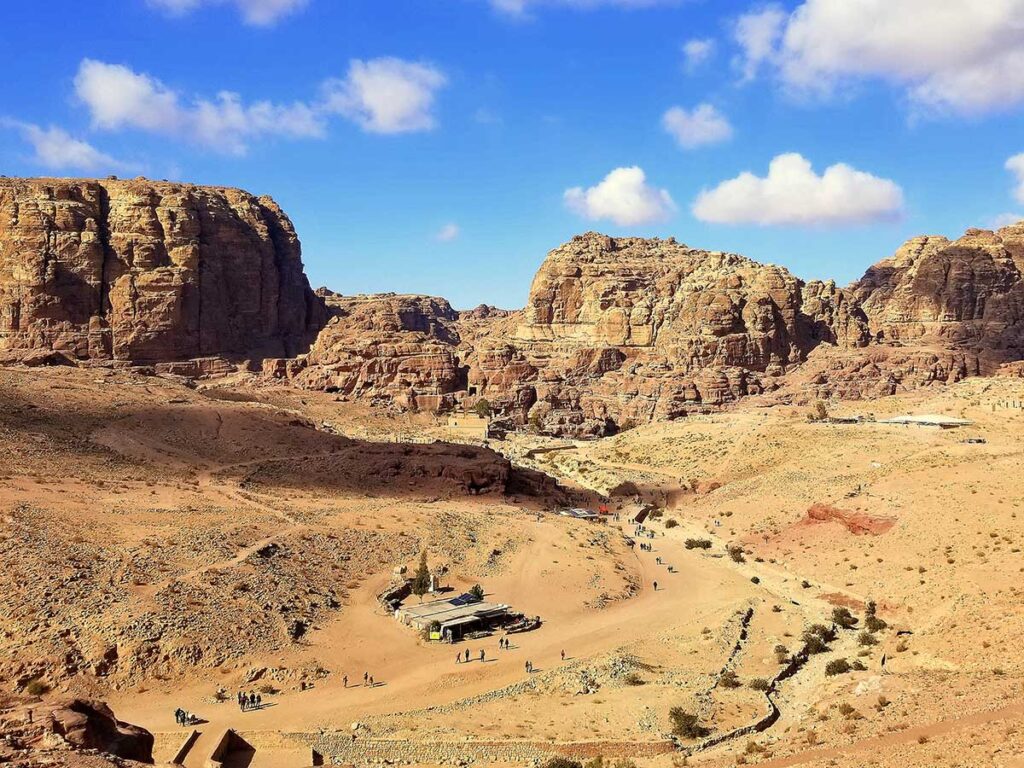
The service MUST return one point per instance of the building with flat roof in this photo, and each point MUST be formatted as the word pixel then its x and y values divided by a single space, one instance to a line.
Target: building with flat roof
pixel 454 616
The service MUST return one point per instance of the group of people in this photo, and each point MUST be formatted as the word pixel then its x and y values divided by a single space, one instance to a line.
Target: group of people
pixel 463 657
pixel 250 700
pixel 646 547
pixel 181 717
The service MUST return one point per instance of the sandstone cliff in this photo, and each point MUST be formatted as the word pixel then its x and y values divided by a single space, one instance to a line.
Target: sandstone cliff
pixel 616 330
pixel 149 271
pixel 966 295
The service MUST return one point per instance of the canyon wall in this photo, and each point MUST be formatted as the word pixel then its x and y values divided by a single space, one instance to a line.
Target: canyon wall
pixel 148 271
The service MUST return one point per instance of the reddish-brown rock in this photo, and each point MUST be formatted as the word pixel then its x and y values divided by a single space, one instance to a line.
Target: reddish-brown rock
pixel 85 724
pixel 149 271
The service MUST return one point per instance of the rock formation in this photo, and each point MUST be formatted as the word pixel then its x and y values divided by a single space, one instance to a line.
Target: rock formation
pixel 966 295
pixel 616 330
pixel 149 271
pixel 85 724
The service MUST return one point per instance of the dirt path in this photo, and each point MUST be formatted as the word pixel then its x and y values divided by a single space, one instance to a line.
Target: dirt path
pixel 412 675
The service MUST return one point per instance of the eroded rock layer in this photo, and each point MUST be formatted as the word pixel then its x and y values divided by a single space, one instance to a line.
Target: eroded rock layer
pixel 149 271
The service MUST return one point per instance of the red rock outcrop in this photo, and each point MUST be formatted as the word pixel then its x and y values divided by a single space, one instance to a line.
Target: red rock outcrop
pixel 399 348
pixel 616 330
pixel 149 271
pixel 966 295
pixel 85 724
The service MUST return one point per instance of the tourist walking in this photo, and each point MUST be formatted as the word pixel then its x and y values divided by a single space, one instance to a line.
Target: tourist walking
pixel 655 586
pixel 563 655
pixel 259 701
pixel 366 675
pixel 481 654
pixel 344 681
pixel 467 655
pixel 371 681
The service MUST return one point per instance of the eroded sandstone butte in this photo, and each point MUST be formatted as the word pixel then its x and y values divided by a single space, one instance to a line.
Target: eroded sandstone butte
pixel 149 271
pixel 615 330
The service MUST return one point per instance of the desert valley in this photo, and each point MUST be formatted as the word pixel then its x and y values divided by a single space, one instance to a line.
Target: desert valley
pixel 740 518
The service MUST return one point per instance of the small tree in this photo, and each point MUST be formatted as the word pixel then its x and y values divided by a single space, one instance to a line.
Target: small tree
pixel 837 667
pixel 482 408
pixel 843 618
pixel 477 591
pixel 686 725
pixel 421 581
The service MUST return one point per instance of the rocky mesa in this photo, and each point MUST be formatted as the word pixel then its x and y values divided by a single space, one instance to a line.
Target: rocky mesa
pixel 147 271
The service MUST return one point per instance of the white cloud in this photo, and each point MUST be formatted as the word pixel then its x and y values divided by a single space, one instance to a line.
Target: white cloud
pixel 256 12
pixel 386 95
pixel 56 149
pixel 957 56
pixel 1005 220
pixel 520 8
pixel 793 194
pixel 697 51
pixel 447 233
pixel 624 197
pixel 118 97
pixel 1015 165
pixel 757 34
pixel 698 127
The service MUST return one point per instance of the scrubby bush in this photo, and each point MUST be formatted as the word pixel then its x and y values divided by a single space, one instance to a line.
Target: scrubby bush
pixel 866 639
pixel 736 553
pixel 671 523
pixel 36 687
pixel 477 591
pixel 837 667
pixel 686 725
pixel 633 679
pixel 698 543
pixel 729 680
pixel 871 620
pixel 758 684
pixel 843 618
pixel 482 408
pixel 817 638
pixel 562 762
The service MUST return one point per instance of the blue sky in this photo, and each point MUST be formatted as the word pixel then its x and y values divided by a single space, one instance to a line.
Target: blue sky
pixel 444 146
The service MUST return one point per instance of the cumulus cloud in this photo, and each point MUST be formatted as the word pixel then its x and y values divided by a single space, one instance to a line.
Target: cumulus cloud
pixel 447 233
pixel 697 51
pixel 1005 220
pixel 386 95
pixel 260 13
pixel 698 127
pixel 624 197
pixel 793 194
pixel 56 149
pixel 381 95
pixel 954 56
pixel 118 97
pixel 757 33
pixel 1015 165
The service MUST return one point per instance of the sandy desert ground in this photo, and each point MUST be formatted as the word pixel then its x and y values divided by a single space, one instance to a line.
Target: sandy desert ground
pixel 163 542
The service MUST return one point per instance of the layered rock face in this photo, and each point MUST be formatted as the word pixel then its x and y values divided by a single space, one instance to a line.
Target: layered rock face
pixel 388 346
pixel 86 724
pixel 616 330
pixel 965 296
pixel 148 271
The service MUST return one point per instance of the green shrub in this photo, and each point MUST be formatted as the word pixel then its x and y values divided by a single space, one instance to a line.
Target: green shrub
pixel 36 687
pixel 698 543
pixel 866 639
pixel 686 725
pixel 729 680
pixel 843 618
pixel 477 591
pixel 736 553
pixel 837 667
pixel 562 762
pixel 758 684
pixel 482 408
pixel 671 523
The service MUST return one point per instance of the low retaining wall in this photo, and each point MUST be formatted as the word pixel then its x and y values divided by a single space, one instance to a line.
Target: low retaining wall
pixel 179 757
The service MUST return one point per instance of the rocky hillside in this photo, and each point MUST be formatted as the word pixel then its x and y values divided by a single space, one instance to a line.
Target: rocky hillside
pixel 148 271
pixel 967 294
pixel 616 330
